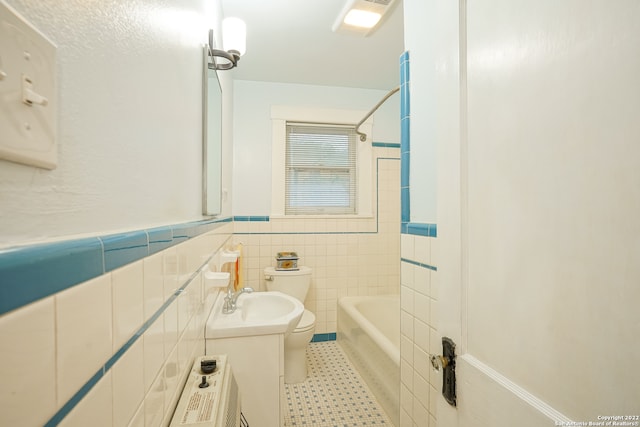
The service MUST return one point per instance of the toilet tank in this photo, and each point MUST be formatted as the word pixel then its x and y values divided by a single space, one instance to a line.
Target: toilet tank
pixel 291 282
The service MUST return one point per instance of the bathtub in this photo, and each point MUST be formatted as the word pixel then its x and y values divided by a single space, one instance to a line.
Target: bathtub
pixel 369 333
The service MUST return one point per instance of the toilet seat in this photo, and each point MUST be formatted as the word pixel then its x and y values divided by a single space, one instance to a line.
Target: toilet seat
pixel 307 322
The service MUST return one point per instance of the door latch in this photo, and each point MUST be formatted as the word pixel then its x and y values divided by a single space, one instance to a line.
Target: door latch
pixel 447 361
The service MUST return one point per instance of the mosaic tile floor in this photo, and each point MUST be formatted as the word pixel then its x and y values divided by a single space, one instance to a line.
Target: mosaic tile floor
pixel 333 395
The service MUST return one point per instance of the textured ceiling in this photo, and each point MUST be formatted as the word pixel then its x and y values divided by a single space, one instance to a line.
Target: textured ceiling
pixel 291 41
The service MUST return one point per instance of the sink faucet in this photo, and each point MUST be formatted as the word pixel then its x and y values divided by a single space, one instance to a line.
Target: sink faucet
pixel 231 299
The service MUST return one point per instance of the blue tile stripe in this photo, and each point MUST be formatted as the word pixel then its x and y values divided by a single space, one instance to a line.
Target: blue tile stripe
pixel 419 264
pixel 86 388
pixel 251 218
pixel 385 144
pixel 331 336
pixel 30 273
pixel 420 229
pixel 405 142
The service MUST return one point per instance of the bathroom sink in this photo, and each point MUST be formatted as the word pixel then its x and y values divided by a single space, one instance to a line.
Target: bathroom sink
pixel 257 313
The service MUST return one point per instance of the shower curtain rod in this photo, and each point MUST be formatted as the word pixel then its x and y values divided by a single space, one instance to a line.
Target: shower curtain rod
pixel 363 136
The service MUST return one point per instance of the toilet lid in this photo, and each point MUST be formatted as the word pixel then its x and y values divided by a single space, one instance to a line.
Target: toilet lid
pixel 307 321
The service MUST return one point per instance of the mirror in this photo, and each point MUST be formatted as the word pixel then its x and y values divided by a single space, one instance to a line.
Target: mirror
pixel 211 140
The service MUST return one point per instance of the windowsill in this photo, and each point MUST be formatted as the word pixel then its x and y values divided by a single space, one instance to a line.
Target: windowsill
pixel 358 216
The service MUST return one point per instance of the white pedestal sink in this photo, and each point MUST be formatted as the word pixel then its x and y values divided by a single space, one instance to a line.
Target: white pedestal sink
pixel 257 313
pixel 253 339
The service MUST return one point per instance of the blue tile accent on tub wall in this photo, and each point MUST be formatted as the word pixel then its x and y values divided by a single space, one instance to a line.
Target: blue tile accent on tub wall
pixel 331 336
pixel 405 132
pixel 420 229
pixel 30 273
pixel 385 144
pixel 407 227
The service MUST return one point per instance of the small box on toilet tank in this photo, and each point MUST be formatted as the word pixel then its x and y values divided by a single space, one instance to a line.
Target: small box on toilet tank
pixel 287 261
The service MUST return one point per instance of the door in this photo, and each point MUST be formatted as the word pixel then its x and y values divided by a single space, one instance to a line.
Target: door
pixel 536 151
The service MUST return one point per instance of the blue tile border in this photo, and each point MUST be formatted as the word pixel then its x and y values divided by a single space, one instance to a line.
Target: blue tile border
pixel 420 229
pixel 33 272
pixel 29 273
pixel 331 336
pixel 405 139
pixel 122 249
pixel 419 264
pixel 251 218
pixel 385 144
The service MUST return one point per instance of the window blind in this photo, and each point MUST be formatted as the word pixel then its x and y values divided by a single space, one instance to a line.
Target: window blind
pixel 320 169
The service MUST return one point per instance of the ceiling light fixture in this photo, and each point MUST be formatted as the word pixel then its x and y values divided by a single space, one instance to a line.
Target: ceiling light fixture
pixel 234 42
pixel 361 16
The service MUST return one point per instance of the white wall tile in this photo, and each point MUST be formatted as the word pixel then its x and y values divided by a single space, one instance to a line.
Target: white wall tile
pixel 170 258
pixel 153 284
pixel 422 248
pixel 96 409
pixel 407 274
pixel 406 324
pixel 138 417
pixel 84 333
pixel 422 307
pixel 406 403
pixel 171 378
pixel 421 362
pixel 406 348
pixel 128 384
pixel 421 390
pixel 170 327
pixel 153 346
pixel 421 335
pixel 406 374
pixel 407 299
pixel 407 246
pixel 422 278
pixel 27 351
pixel 154 403
pixel 420 414
pixel 128 304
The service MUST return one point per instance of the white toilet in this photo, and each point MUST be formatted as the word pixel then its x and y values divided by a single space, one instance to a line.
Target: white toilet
pixel 295 283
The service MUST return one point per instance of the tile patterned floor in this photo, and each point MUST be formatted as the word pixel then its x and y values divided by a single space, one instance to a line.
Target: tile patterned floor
pixel 333 395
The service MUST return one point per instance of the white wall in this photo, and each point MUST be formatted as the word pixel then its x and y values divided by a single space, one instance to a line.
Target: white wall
pixel 252 130
pixel 129 120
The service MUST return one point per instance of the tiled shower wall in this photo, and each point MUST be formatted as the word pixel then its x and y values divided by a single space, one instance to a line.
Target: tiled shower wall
pixel 418 333
pixel 348 256
pixel 418 297
pixel 113 350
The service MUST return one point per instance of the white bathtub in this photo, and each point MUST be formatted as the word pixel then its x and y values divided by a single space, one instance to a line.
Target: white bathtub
pixel 369 332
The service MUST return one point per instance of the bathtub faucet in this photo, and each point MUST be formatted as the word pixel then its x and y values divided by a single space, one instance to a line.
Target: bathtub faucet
pixel 231 299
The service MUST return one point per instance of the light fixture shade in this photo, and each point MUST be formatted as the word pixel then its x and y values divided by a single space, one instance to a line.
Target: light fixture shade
pixel 234 35
pixel 362 17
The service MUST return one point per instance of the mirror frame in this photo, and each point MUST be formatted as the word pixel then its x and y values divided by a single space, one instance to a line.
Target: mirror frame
pixel 211 194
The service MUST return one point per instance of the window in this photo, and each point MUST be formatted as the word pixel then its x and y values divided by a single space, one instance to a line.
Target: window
pixel 335 177
pixel 321 173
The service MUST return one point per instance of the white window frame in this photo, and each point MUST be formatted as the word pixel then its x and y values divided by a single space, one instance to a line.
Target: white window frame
pixel 279 117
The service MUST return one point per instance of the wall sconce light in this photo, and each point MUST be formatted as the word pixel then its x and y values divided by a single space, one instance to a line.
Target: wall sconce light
pixel 234 42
